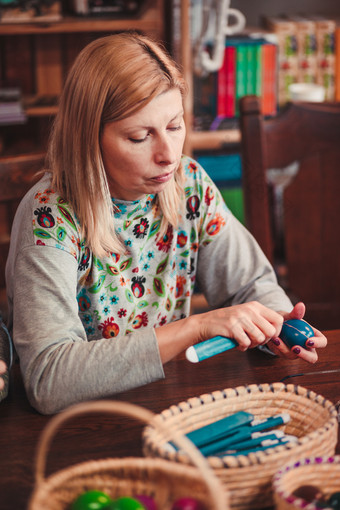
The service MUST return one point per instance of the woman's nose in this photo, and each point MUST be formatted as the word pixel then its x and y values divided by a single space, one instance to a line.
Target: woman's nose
pixel 165 151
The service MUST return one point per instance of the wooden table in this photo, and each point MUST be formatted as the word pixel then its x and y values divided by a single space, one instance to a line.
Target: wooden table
pixel 99 436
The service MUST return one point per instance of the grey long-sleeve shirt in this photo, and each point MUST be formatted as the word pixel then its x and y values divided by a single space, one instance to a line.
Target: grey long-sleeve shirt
pixel 83 327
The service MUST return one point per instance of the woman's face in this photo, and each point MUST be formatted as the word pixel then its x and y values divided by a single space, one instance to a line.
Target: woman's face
pixel 142 152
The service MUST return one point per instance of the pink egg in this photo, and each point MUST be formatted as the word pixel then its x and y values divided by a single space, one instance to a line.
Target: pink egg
pixel 146 501
pixel 187 504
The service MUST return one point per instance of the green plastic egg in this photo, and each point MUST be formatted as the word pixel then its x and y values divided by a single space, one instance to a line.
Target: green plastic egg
pixel 125 503
pixel 91 500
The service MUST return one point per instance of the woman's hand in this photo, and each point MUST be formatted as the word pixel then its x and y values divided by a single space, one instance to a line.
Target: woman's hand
pixel 3 369
pixel 250 324
pixel 307 353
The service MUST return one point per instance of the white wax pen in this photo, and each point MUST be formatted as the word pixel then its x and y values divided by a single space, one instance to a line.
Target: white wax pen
pixel 208 348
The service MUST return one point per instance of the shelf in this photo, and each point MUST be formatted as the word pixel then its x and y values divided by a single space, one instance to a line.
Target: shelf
pixel 73 24
pixel 214 140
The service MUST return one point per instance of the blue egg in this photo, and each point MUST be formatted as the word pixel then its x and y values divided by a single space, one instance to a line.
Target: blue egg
pixel 296 332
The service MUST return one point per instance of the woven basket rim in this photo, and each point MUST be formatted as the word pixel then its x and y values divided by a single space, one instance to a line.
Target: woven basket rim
pixel 126 466
pixel 296 466
pixel 254 458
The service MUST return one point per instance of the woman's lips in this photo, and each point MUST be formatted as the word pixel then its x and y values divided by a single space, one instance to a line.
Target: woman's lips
pixel 162 178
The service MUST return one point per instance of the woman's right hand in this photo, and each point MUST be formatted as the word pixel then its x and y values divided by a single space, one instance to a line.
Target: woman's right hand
pixel 250 324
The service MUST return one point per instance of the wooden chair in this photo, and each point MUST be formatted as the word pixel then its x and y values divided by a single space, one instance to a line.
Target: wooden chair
pixel 291 182
pixel 17 175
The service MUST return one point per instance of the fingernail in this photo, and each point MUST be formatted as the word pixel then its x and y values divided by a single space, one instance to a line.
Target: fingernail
pixel 296 350
pixel 310 343
pixel 276 341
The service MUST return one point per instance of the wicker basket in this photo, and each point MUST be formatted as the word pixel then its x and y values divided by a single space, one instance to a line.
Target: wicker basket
pixel 321 472
pixel 163 480
pixel 248 478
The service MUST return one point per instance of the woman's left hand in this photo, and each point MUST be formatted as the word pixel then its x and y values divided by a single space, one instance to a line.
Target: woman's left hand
pixel 308 353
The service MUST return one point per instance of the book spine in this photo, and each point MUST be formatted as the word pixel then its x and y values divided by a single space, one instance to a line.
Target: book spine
pixel 326 60
pixel 250 70
pixel 337 64
pixel 222 80
pixel 306 46
pixel 285 32
pixel 231 81
pixel 269 79
pixel 258 71
pixel 241 75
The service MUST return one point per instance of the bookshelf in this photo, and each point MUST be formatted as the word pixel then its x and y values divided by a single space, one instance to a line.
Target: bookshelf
pixel 37 56
pixel 254 12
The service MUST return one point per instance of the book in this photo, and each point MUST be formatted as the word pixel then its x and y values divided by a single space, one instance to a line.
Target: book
pixel 285 31
pixel 231 79
pixel 222 80
pixel 11 109
pixel 305 30
pixel 269 79
pixel 337 63
pixel 241 75
pixel 326 60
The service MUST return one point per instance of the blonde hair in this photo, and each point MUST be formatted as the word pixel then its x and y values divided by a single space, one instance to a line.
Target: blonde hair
pixel 112 78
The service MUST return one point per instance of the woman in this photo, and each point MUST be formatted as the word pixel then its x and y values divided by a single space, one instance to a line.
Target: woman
pixel 107 247
pixel 5 358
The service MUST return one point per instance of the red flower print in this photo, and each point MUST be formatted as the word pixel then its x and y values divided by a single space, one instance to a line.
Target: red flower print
pixel 141 229
pixel 140 320
pixel 109 327
pixel 209 195
pixel 192 168
pixel 180 281
pixel 214 226
pixel 164 244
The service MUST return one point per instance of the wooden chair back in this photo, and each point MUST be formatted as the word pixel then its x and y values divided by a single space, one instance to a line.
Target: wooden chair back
pixel 17 175
pixel 291 182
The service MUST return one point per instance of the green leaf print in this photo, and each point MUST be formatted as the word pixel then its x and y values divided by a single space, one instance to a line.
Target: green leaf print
pixel 125 264
pixel 98 285
pixel 162 265
pixel 188 191
pixel 154 228
pixel 98 263
pixel 142 304
pixel 112 270
pixel 41 233
pixel 158 287
pixel 129 296
pixel 193 235
pixel 61 233
pixel 66 215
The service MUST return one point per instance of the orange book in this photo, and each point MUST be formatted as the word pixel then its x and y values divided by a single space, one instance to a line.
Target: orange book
pixel 269 79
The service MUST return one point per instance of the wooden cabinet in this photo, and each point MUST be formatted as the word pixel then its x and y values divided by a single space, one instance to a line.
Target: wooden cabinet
pixel 37 56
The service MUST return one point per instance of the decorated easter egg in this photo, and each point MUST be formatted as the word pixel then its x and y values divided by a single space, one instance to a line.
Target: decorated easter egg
pixel 187 504
pixel 125 503
pixel 147 501
pixel 296 332
pixel 91 500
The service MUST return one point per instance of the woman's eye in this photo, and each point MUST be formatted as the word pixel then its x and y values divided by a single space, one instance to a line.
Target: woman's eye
pixel 175 128
pixel 137 140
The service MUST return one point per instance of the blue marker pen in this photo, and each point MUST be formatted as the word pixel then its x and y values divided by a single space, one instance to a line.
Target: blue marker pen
pixel 270 444
pixel 244 433
pixel 258 439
